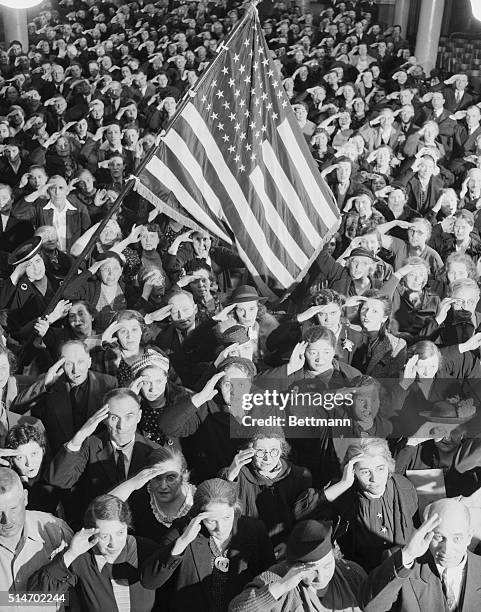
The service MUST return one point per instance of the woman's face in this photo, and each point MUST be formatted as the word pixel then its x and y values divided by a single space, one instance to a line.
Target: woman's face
pixel 168 484
pixel 330 316
pixel 110 234
pixel 430 133
pixel 417 279
pixel 359 267
pixel 4 370
pixel 80 320
pixel 154 381
pixel 366 404
pixel 370 242
pixel 110 272
pixel 267 453
pixel 427 368
pixel 372 314
pixel 200 287
pixel 372 473
pixel 112 537
pixel 319 355
pixel 246 312
pixel 201 243
pixel 461 229
pixel 149 240
pixel 28 460
pixel 36 269
pixel 363 206
pixel 222 521
pixel 129 334
pixel 456 270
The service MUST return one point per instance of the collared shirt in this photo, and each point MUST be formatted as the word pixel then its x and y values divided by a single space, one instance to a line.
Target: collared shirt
pixel 127 451
pixel 120 587
pixel 43 536
pixel 5 219
pixel 455 578
pixel 60 222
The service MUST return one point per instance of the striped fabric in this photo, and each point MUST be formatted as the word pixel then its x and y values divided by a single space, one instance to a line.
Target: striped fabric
pixel 122 594
pixel 234 158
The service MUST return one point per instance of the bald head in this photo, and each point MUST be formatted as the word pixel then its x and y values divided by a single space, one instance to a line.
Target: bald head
pixel 9 481
pixel 13 506
pixel 453 534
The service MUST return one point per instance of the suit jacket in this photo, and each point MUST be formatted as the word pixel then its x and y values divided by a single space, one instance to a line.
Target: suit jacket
pixel 372 138
pixel 450 100
pixel 189 576
pixel 446 126
pixel 463 142
pixel 93 467
pixel 53 407
pixel 15 233
pixel 393 587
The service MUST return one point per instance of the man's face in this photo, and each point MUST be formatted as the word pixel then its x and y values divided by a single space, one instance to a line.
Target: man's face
pixel 451 539
pixel 473 116
pixel 366 404
pixel 57 74
pixel 461 82
pixel 15 117
pixel 59 106
pixel 124 416
pixel 77 364
pixel 466 299
pixel 461 229
pixel 112 134
pixel 319 355
pixel 97 111
pixel 343 172
pixel 58 190
pixel 201 242
pixel 6 201
pixel 359 267
pixel 38 178
pixel 12 512
pixel 329 316
pixel 183 312
pixel 396 202
pixel 80 320
pixel 418 235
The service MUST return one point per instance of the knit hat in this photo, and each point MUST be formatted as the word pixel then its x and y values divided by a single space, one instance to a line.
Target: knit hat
pixel 150 359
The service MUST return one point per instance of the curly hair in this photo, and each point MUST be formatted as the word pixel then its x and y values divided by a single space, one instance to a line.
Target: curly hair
pixel 370 447
pixel 23 434
pixel 327 296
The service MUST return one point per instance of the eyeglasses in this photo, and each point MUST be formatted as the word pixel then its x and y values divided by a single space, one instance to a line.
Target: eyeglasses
pixel 274 453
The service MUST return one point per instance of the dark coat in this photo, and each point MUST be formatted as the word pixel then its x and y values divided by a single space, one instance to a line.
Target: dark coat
pixel 52 405
pixel 391 586
pixel 189 576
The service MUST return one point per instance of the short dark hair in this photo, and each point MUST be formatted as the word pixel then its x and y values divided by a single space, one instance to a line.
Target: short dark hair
pixel 107 508
pixel 120 393
pixel 23 434
pixel 319 332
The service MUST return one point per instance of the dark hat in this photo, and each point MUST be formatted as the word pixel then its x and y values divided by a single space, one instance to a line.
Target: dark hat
pixel 309 541
pixel 362 252
pixel 112 255
pixel 236 333
pixel 25 251
pixel 244 293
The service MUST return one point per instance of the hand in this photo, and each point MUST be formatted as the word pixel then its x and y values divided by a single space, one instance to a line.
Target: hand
pixel 60 311
pixel 354 301
pixel 407 269
pixel 185 237
pixel 444 308
pixel 420 540
pixel 108 335
pixel 208 392
pixel 54 372
pixel 280 551
pixel 190 533
pixel 472 344
pixel 447 225
pixel 187 279
pixel 41 327
pixel 403 224
pixel 82 541
pixel 348 472
pixel 100 198
pixel 135 233
pixel 145 476
pixel 309 313
pixel 290 581
pixel 225 353
pixel 225 313
pixel 160 314
pixel 99 133
pixel 7 452
pixel 243 457
pixel 24 180
pixel 89 426
pixel 410 370
pixel 297 359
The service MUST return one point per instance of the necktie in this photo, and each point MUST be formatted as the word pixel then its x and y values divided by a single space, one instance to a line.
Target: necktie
pixel 120 466
pixel 459 95
pixel 448 592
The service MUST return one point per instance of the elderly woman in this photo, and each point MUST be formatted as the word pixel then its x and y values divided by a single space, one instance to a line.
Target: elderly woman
pixel 425 138
pixel 269 484
pixel 379 506
pixel 457 266
pixel 85 192
pixel 27 445
pixel 162 490
pixel 102 561
pixel 151 382
pixel 460 237
pixel 359 211
pixel 102 287
pixel 382 354
pixel 210 559
pixel 413 305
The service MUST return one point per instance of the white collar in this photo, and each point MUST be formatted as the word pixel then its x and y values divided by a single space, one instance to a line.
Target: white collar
pixel 458 568
pixel 51 206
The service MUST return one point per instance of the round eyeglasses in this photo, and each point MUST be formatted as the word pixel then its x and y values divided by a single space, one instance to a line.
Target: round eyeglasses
pixel 274 453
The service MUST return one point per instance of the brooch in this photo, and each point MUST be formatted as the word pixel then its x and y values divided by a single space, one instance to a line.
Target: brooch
pixel 23 287
pixel 222 564
pixel 347 344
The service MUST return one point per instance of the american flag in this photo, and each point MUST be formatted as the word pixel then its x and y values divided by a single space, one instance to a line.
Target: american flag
pixel 235 159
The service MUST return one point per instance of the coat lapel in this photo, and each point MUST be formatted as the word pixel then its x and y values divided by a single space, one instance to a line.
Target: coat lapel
pixel 105 458
pixel 472 590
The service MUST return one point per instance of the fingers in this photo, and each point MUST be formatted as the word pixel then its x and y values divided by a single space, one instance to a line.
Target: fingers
pixel 430 524
pixel 215 379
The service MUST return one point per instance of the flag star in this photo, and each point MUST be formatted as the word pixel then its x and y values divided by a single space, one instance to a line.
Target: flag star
pixel 279 93
pixel 237 159
pixel 246 113
pixel 253 157
pixel 257 134
pixel 275 116
pixel 220 94
pixel 237 93
pixel 204 98
pixel 263 129
pixel 242 136
pixel 256 65
pixel 220 126
pixel 246 43
pixel 214 116
pixel 260 51
pixel 231 149
pixel 264 96
pixel 231 83
pixel 250 53
pixel 242 103
pixel 226 105
pixel 271 73
pixel 269 106
pixel 265 62
pixel 242 168
pixel 275 83
pixel 284 104
pixel 232 116
pixel 383 529
pixel 247 79
pixel 242 68
pixel 236 57
pixel 257 101
pixel 248 147
pixel 379 515
pixel 224 70
pixel 252 125
pixel 237 127
pixel 225 138
pixel 214 83
pixel 209 106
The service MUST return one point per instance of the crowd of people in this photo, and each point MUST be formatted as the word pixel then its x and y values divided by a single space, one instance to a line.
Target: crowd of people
pixel 129 479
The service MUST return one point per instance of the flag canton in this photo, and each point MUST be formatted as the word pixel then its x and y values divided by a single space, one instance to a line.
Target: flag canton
pixel 244 101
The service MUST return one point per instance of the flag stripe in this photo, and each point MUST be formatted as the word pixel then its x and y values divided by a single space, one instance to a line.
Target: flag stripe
pixel 299 162
pixel 275 221
pixel 216 158
pixel 171 182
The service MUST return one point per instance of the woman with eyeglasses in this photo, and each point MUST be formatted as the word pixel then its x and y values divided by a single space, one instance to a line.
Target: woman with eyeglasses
pixel 102 561
pixel 208 557
pixel 162 489
pixel 269 484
